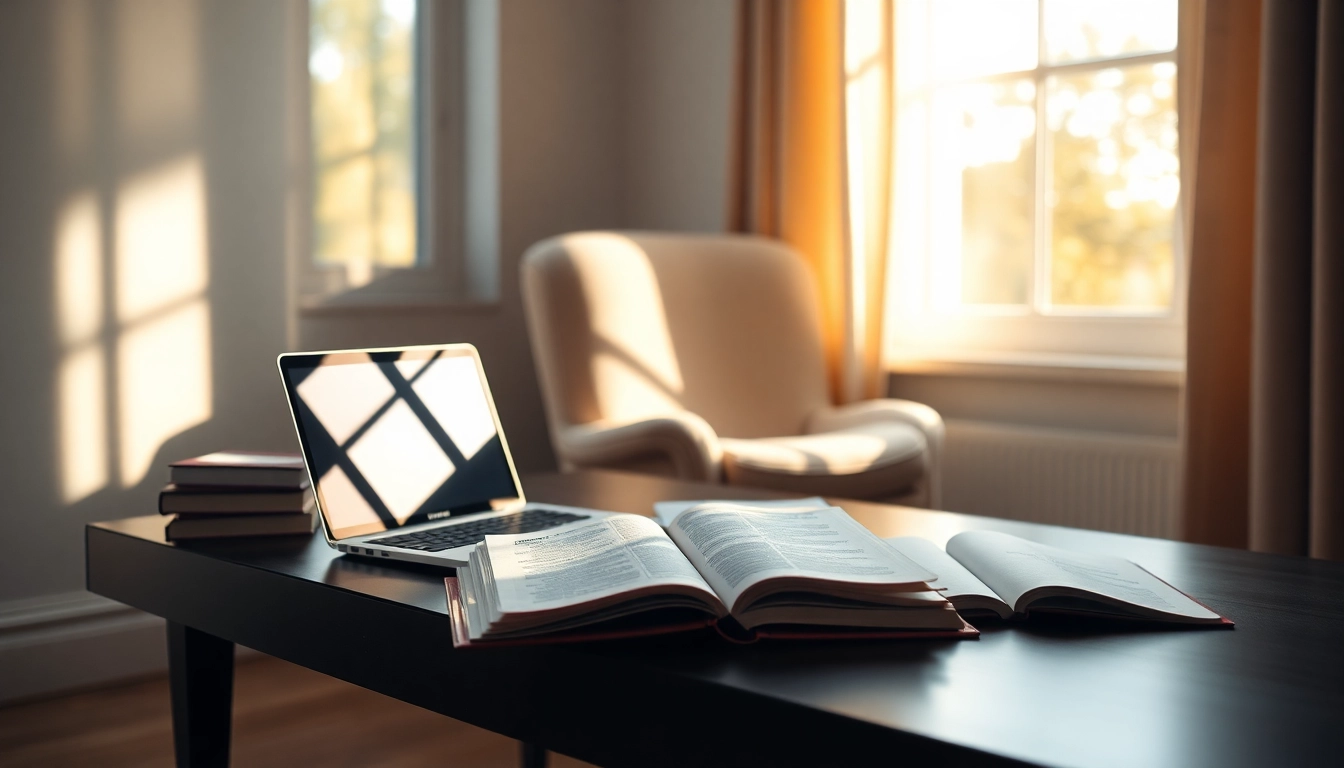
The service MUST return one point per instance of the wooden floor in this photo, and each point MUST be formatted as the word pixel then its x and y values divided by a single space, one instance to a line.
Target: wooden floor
pixel 283 716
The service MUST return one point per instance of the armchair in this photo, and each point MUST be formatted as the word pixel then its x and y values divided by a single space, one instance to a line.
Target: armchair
pixel 700 357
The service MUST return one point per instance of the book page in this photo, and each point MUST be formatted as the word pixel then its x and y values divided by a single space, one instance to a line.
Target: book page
pixel 1013 567
pixel 666 511
pixel 737 547
pixel 607 557
pixel 957 584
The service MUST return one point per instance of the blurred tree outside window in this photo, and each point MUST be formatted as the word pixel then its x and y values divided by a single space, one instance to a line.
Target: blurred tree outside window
pixel 365 107
pixel 1036 166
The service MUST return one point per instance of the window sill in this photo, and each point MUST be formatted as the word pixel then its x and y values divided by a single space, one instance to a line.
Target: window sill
pixel 313 306
pixel 1099 369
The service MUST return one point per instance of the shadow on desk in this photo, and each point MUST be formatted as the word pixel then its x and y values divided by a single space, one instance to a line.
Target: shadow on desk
pixel 1073 626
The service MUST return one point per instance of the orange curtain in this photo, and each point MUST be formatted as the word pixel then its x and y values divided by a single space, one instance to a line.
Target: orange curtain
pixel 1264 429
pixel 1219 77
pixel 790 175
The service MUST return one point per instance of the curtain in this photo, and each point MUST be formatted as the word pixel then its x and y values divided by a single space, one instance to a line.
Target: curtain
pixel 1220 204
pixel 1264 426
pixel 793 150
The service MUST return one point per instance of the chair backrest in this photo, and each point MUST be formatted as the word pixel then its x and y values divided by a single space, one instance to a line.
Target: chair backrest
pixel 628 325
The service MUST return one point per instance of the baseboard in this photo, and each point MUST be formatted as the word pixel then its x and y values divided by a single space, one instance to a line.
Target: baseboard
pixel 74 640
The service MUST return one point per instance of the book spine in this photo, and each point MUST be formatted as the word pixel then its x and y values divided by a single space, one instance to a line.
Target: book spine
pixel 280 479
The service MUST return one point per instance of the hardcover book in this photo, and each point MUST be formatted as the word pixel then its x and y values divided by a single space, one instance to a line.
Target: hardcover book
pixel 220 500
pixel 241 468
pixel 229 526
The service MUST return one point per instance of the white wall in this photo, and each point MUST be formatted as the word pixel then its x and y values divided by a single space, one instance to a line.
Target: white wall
pixel 174 136
pixel 142 236
pixel 678 83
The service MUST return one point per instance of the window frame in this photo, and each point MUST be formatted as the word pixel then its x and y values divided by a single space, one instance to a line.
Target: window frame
pixel 919 330
pixel 439 276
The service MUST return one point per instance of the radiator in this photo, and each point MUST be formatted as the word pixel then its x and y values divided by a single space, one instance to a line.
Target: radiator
pixel 1105 481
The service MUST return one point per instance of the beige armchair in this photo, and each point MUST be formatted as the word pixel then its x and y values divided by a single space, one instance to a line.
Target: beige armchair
pixel 700 357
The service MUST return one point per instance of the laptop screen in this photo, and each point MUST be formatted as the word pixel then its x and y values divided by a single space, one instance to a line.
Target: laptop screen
pixel 396 438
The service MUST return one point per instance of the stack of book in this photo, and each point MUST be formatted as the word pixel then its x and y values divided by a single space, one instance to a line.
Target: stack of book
pixel 238 493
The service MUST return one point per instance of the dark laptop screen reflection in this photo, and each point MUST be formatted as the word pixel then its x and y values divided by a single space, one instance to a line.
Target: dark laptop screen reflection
pixel 400 438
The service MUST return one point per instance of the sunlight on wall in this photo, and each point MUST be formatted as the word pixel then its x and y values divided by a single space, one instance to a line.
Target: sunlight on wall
pixel 160 250
pixel 129 245
pixel 162 325
pixel 163 353
pixel 79 271
pixel 80 388
pixel 83 423
pixel 163 384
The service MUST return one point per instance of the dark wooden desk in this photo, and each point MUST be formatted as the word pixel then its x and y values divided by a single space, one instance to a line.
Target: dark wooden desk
pixel 1053 692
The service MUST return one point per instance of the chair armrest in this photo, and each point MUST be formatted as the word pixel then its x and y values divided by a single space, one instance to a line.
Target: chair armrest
pixel 687 440
pixel 830 418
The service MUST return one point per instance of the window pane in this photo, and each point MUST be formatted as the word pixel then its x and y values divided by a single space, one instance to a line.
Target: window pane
pixel 1115 182
pixel 1079 30
pixel 982 37
pixel 362 74
pixel 988 133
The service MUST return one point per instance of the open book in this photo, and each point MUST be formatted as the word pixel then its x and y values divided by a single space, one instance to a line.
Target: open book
pixel 666 511
pixel 750 573
pixel 986 572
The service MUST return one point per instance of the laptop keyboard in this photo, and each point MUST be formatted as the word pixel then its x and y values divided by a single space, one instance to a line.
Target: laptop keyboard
pixel 462 534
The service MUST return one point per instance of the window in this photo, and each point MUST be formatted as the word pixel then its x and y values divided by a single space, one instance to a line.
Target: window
pixel 365 138
pixel 1036 179
pixel 383 175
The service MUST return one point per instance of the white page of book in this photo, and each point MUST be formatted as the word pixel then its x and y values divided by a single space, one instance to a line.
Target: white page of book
pixel 953 578
pixel 1012 566
pixel 666 511
pixel 736 547
pixel 607 557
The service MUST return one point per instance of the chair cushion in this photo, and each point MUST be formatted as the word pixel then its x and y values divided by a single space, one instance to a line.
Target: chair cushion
pixel 872 461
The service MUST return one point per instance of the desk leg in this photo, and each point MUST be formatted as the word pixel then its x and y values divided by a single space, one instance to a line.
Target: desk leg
pixel 200 669
pixel 530 755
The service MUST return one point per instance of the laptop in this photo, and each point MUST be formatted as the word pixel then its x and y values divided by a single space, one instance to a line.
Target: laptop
pixel 406 455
